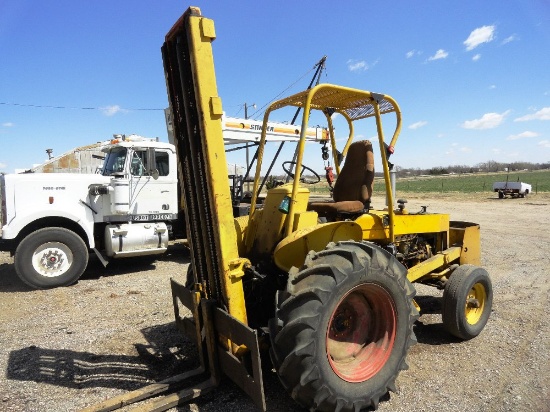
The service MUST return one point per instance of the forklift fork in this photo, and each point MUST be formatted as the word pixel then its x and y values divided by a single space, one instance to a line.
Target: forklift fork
pixel 211 326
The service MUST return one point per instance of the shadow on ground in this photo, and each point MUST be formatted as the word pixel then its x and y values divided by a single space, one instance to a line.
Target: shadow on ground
pixel 165 354
pixel 429 329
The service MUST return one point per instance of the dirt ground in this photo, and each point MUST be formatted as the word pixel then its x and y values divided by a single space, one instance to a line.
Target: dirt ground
pixel 67 348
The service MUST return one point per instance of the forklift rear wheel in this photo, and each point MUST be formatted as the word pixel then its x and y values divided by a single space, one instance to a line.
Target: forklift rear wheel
pixel 51 257
pixel 343 327
pixel 467 301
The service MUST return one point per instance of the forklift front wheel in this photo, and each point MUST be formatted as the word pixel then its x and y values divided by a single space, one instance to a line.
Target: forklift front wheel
pixel 343 327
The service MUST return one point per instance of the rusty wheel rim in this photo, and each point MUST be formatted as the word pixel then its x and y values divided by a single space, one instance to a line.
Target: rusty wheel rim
pixel 361 333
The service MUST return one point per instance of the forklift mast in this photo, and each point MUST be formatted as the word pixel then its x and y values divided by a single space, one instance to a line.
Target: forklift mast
pixel 197 114
pixel 227 345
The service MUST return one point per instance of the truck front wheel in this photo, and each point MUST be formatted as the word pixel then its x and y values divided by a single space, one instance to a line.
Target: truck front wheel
pixel 51 257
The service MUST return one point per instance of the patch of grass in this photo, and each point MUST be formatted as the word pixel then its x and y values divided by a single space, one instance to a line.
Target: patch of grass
pixel 468 183
pixel 463 183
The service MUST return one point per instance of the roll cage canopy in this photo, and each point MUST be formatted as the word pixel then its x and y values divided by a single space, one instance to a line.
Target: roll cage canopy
pixel 353 105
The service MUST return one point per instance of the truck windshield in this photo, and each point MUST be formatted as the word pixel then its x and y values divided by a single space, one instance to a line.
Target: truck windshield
pixel 114 162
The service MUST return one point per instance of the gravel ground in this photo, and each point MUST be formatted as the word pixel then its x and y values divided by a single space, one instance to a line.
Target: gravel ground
pixel 68 348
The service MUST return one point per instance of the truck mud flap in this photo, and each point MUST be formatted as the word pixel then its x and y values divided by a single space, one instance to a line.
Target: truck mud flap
pixel 215 326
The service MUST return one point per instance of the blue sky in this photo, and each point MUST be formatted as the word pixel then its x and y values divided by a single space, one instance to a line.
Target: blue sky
pixel 472 77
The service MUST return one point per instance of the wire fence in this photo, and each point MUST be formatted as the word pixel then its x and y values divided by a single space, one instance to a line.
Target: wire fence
pixel 482 183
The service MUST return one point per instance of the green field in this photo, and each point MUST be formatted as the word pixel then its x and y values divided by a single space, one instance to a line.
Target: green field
pixel 469 183
pixel 459 183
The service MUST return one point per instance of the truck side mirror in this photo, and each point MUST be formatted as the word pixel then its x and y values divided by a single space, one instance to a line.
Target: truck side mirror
pixel 152 164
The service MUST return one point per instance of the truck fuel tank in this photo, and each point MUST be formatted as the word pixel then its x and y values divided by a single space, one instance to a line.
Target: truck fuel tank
pixel 136 239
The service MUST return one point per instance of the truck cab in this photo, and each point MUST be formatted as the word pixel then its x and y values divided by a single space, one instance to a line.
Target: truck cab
pixel 149 168
pixel 51 221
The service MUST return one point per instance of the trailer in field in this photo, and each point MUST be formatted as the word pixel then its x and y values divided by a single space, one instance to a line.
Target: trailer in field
pixel 512 189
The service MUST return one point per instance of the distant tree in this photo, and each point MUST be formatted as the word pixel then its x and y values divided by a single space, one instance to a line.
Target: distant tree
pixel 437 171
pixel 490 166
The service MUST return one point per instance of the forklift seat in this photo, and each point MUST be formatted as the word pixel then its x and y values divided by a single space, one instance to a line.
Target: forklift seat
pixel 353 188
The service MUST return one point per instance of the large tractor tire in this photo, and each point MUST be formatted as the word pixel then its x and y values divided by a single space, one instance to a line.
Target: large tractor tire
pixel 343 327
pixel 51 257
pixel 467 301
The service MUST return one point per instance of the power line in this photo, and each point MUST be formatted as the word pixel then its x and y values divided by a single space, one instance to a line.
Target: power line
pixel 40 106
pixel 260 110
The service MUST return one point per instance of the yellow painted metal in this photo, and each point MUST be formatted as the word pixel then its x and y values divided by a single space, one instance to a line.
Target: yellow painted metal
pixel 438 261
pixel 467 235
pixel 332 139
pixel 293 249
pixel 304 220
pixel 266 228
pixel 352 104
pixel 241 227
pixel 372 226
pixel 202 33
pixel 475 303
pixel 379 226
pixel 350 135
pixel 424 223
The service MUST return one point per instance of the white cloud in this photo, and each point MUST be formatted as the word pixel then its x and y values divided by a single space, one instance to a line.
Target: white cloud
pixel 412 53
pixel 112 110
pixel 8 124
pixel 487 121
pixel 545 144
pixel 481 35
pixel 418 125
pixel 3 165
pixel 357 65
pixel 542 114
pixel 455 147
pixel 492 87
pixel 509 39
pixel 522 135
pixel 360 65
pixel 440 54
pixel 476 57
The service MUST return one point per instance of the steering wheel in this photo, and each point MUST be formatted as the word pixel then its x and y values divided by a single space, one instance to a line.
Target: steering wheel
pixel 304 167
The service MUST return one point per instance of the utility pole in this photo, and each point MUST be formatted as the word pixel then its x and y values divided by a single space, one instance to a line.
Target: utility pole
pixel 247 156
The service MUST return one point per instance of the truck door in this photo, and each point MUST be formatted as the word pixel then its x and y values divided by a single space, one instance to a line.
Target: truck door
pixel 153 187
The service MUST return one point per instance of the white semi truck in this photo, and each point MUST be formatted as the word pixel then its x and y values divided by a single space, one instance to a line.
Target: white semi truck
pixel 50 222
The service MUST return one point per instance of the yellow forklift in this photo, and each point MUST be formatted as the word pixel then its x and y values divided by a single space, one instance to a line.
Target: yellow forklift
pixel 324 287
